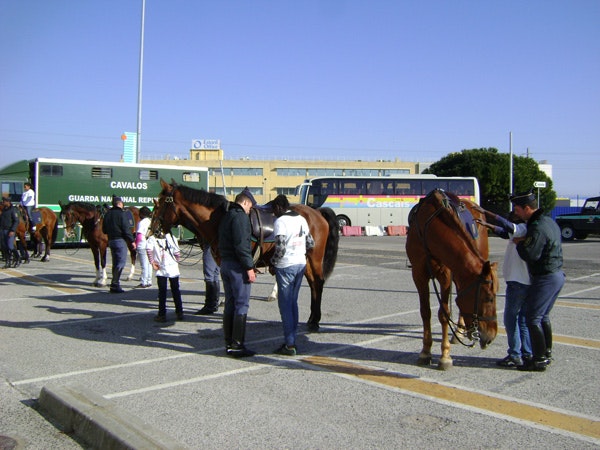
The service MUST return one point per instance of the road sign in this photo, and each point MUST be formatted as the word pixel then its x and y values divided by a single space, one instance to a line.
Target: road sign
pixel 539 184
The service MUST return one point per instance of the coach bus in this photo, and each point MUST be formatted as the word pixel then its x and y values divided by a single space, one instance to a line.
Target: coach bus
pixel 379 201
pixel 95 182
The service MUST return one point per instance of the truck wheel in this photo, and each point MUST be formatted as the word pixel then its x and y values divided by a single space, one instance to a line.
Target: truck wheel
pixel 580 235
pixel 567 233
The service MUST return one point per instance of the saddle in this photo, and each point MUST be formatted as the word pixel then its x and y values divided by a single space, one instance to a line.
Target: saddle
pixel 262 221
pixel 459 208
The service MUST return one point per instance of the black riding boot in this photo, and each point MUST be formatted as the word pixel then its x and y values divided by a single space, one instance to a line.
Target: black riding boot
pixel 228 330
pixel 538 346
pixel 547 327
pixel 238 350
pixel 16 259
pixel 7 260
pixel 211 302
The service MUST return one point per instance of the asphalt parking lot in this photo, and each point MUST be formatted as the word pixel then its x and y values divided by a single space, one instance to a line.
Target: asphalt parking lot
pixel 355 383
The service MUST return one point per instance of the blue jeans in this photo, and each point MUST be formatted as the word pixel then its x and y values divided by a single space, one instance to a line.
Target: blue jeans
pixel 237 288
pixel 146 276
pixel 118 251
pixel 289 280
pixel 514 320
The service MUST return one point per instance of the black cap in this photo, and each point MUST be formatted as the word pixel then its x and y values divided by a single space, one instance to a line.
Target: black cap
pixel 522 198
pixel 116 200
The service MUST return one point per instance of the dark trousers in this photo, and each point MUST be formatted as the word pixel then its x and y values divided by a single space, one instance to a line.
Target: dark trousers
pixel 237 288
pixel 118 251
pixel 162 294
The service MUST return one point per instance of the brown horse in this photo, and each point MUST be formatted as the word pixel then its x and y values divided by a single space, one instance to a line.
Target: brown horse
pixel 439 246
pixel 90 217
pixel 201 212
pixel 45 231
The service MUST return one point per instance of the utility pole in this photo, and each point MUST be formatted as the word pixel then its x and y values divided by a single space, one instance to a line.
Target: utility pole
pixel 138 141
pixel 510 166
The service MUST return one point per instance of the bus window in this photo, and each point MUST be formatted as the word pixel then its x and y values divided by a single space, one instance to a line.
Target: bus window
pixel 374 187
pixel 352 187
pixel 461 187
pixel 408 187
pixel 51 170
pixel 430 185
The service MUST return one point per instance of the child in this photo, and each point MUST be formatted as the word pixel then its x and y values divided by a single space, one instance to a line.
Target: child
pixel 140 241
pixel 163 253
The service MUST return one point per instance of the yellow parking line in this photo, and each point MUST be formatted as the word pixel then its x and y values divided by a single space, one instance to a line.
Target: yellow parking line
pixel 576 305
pixel 43 282
pixel 510 408
pixel 569 340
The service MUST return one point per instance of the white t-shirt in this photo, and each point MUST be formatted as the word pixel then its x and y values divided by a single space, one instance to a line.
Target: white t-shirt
pixel 514 268
pixel 28 198
pixel 295 229
pixel 142 228
pixel 166 253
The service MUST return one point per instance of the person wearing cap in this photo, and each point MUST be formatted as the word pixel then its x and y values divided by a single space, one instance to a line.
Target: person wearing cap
pixel 116 226
pixel 140 245
pixel 9 221
pixel 541 249
pixel 237 273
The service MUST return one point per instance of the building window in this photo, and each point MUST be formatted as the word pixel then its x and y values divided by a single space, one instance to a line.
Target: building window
pixel 330 172
pixel 361 172
pixel 286 191
pixel 291 172
pixel 191 177
pixel 390 172
pixel 247 171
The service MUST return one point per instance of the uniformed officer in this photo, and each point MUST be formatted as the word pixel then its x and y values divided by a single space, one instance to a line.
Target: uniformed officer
pixel 118 229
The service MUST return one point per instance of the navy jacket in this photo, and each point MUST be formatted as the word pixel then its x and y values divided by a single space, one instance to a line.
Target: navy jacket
pixel 116 225
pixel 235 237
pixel 9 220
pixel 541 249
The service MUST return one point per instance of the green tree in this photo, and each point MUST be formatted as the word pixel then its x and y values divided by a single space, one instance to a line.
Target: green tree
pixel 491 168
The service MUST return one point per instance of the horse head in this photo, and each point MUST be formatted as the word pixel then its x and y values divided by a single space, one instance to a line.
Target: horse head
pixel 477 304
pixel 165 214
pixel 76 212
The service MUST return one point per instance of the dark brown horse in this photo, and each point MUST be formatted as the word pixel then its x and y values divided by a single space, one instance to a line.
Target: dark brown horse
pixel 90 217
pixel 201 212
pixel 440 247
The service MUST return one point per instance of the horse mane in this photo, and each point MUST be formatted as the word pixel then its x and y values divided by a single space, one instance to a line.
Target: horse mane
pixel 84 205
pixel 202 197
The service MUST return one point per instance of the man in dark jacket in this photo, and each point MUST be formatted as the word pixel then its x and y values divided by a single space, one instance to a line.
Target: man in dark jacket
pixel 9 221
pixel 117 227
pixel 541 249
pixel 237 272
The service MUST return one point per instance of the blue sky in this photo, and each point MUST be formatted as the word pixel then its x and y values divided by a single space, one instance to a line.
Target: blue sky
pixel 310 79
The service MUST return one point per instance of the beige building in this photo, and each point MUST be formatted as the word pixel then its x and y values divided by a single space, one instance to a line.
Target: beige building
pixel 268 178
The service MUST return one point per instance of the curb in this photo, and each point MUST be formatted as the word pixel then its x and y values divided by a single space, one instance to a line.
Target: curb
pixel 99 422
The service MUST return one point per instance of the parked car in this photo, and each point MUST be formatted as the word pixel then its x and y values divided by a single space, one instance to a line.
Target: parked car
pixel 580 225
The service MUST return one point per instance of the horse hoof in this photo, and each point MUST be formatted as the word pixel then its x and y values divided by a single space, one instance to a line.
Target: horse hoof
pixel 445 364
pixel 424 361
pixel 313 327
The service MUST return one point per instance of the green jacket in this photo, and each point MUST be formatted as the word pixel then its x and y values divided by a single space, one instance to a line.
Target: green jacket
pixel 541 249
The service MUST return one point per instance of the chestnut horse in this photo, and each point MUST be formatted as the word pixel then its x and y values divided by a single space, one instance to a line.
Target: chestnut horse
pixel 440 246
pixel 90 217
pixel 46 229
pixel 201 212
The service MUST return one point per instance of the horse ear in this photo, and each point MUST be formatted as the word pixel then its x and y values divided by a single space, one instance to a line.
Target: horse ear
pixel 60 204
pixel 173 182
pixel 164 185
pixel 155 202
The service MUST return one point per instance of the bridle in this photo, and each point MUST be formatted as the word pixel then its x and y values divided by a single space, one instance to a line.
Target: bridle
pixel 473 331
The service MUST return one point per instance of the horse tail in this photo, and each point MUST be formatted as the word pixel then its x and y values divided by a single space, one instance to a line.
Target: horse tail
pixel 333 239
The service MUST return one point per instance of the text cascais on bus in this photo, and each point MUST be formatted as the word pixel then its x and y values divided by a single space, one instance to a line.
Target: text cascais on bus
pixel 374 203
